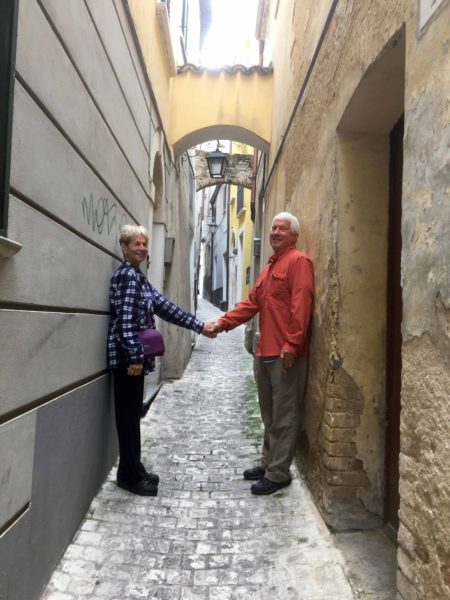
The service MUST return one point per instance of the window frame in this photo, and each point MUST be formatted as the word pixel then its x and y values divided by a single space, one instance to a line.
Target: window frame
pixel 240 201
pixel 8 33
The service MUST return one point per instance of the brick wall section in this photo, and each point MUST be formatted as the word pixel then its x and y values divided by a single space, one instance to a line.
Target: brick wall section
pixel 343 472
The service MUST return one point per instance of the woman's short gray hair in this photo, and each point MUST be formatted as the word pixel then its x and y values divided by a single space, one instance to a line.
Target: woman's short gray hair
pixel 285 216
pixel 129 232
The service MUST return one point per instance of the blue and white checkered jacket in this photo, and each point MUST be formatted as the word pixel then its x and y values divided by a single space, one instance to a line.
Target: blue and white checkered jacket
pixel 134 302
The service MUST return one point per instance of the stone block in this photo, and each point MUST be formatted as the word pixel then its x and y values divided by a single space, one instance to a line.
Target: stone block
pixel 406 515
pixel 406 540
pixel 405 588
pixel 339 494
pixel 338 434
pixel 345 419
pixel 339 449
pixel 341 463
pixel 405 564
pixel 336 404
pixel 346 478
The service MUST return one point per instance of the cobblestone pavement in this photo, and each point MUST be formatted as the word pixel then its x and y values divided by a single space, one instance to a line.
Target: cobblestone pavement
pixel 204 537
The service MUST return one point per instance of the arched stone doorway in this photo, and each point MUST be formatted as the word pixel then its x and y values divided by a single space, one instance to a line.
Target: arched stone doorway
pixel 369 158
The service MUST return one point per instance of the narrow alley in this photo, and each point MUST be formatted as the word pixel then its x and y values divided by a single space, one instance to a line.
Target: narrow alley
pixel 205 537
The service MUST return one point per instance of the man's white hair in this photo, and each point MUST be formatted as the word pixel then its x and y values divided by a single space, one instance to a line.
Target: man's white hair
pixel 285 216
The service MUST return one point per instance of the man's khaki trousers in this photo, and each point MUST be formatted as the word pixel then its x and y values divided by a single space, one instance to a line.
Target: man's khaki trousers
pixel 280 393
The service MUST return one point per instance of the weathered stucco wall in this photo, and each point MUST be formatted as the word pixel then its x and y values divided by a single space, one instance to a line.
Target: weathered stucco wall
pixel 316 179
pixel 181 192
pixel 424 555
pixel 333 173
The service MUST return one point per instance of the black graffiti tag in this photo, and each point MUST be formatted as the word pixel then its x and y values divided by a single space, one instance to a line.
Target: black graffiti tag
pixel 101 215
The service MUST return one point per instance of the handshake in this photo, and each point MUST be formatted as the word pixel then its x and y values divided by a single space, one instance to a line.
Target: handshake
pixel 211 329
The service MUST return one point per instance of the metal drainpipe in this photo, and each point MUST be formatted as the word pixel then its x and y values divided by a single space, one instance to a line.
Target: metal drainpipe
pixel 253 195
pixel 301 93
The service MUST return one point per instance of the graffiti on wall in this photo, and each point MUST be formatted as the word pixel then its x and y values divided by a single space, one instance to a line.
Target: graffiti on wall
pixel 427 10
pixel 102 215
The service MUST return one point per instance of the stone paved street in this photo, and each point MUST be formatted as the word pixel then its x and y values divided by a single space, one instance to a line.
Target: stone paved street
pixel 205 537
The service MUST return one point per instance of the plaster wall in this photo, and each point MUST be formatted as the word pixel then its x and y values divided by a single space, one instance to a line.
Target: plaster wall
pixel 424 556
pixel 152 44
pixel 180 189
pixel 363 191
pixel 299 25
pixel 241 225
pixel 235 106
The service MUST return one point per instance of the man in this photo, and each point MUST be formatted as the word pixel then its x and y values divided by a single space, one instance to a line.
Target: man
pixel 283 297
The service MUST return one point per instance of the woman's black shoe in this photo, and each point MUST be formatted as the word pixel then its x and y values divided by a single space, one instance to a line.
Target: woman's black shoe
pixel 152 478
pixel 141 488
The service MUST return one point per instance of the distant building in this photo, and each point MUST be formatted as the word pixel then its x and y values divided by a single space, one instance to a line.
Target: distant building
pixel 240 236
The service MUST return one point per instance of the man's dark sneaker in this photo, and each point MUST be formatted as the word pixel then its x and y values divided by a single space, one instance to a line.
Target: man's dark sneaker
pixel 266 486
pixel 254 473
pixel 142 488
pixel 152 478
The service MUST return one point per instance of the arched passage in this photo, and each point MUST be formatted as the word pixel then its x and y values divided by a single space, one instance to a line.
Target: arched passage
pixel 220 132
pixel 239 171
pixel 229 104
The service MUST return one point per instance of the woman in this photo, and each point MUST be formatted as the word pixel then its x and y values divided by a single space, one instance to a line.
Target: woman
pixel 134 301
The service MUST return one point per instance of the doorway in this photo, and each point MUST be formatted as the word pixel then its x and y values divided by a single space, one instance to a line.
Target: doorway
pixel 369 159
pixel 393 331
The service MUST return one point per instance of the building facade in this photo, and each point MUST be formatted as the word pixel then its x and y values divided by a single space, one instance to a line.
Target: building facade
pixel 84 151
pixel 240 235
pixel 213 204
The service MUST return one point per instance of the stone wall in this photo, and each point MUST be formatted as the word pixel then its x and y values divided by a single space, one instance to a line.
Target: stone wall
pixel 424 555
pixel 333 170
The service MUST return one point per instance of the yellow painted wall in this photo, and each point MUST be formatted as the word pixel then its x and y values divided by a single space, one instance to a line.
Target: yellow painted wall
pixel 242 221
pixel 202 100
pixel 151 40
pixel 200 106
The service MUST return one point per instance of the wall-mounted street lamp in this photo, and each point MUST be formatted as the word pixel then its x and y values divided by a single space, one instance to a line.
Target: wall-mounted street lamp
pixel 213 227
pixel 169 244
pixel 217 163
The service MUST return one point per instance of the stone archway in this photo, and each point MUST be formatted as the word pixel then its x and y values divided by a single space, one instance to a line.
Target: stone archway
pixel 239 171
pixel 228 104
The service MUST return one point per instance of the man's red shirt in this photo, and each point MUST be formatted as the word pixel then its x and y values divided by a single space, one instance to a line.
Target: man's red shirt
pixel 283 296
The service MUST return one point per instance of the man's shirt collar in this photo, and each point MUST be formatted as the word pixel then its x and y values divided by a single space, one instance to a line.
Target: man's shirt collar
pixel 277 255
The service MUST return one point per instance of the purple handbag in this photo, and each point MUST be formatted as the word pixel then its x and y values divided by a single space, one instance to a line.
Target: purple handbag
pixel 152 342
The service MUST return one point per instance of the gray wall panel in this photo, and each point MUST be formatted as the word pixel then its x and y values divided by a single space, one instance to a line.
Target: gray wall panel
pixel 111 21
pixel 55 267
pixel 75 449
pixel 46 169
pixel 73 20
pixel 46 352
